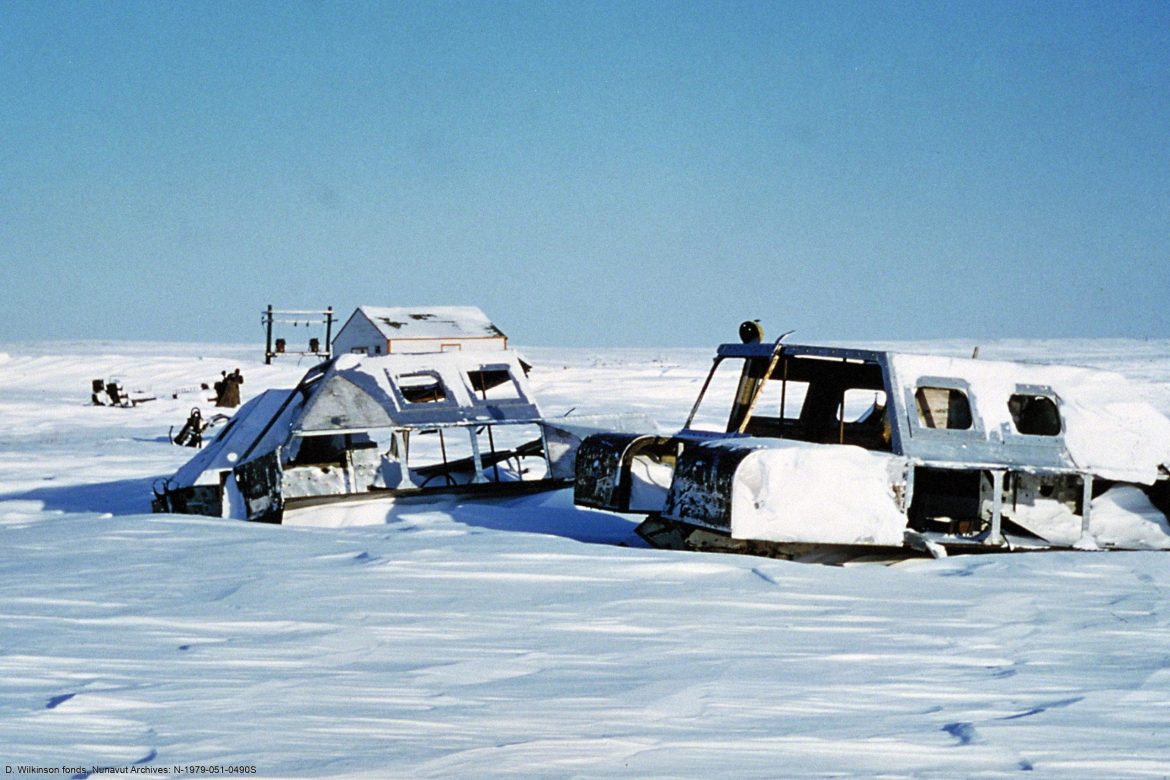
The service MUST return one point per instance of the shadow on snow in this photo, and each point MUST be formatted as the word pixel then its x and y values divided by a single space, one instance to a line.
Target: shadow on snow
pixel 121 497
pixel 551 513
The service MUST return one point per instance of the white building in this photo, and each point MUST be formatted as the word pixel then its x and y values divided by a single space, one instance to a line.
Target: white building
pixel 386 330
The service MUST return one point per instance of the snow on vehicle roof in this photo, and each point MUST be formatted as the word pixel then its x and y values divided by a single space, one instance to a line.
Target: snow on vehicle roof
pixel 362 393
pixel 248 433
pixel 431 322
pixel 1108 428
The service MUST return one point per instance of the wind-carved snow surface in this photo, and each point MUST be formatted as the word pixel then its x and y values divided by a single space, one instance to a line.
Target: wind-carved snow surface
pixel 519 637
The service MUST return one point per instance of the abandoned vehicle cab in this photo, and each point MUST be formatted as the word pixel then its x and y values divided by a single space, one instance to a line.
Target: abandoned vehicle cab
pixel 378 427
pixel 854 448
pixel 381 426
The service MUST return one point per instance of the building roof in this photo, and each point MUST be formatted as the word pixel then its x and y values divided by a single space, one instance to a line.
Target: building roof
pixel 431 322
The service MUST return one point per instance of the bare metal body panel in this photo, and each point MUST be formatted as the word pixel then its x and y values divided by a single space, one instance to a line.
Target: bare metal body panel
pixel 387 427
pixel 972 453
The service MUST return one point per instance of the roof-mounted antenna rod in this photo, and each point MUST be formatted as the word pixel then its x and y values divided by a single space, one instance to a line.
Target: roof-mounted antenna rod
pixel 975 353
pixel 777 350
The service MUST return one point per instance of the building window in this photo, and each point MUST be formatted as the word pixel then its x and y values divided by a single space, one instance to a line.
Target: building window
pixel 1034 415
pixel 943 407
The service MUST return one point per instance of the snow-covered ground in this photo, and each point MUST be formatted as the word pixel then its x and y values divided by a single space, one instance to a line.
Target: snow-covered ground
pixel 526 636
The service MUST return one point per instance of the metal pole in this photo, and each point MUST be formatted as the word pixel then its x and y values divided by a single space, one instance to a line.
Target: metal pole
pixel 776 352
pixel 476 458
pixel 492 445
pixel 1086 504
pixel 702 392
pixel 268 343
pixel 783 396
pixel 996 536
pixel 329 332
pixel 841 420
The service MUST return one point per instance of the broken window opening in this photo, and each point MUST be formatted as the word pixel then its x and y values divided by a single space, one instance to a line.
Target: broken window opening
pixel 512 453
pixel 802 400
pixel 779 398
pixel 863 419
pixel 778 408
pixel 494 383
pixel 859 406
pixel 326 450
pixel 439 457
pixel 1034 415
pixel 710 412
pixel 949 500
pixel 422 387
pixel 943 408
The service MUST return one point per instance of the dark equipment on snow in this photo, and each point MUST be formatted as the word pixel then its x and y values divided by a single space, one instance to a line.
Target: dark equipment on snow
pixel 114 394
pixel 227 389
pixel 191 434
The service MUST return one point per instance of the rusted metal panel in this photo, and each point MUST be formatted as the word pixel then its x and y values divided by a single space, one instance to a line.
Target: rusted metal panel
pixel 599 470
pixel 700 493
pixel 259 481
pixel 193 500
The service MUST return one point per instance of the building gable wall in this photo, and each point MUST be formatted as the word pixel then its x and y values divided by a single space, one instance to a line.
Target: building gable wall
pixel 358 334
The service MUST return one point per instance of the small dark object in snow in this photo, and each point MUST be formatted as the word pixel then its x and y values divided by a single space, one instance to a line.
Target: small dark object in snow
pixel 114 394
pixel 191 434
pixel 964 732
pixel 151 756
pixel 57 701
pixel 227 389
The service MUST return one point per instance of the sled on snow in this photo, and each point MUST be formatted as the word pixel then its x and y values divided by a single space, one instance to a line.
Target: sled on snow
pixel 816 452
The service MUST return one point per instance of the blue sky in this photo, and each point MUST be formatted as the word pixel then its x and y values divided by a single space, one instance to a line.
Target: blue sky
pixel 588 173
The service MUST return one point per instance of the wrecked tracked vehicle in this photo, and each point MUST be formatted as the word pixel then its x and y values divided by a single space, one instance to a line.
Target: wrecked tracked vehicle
pixel 848 451
pixel 384 427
